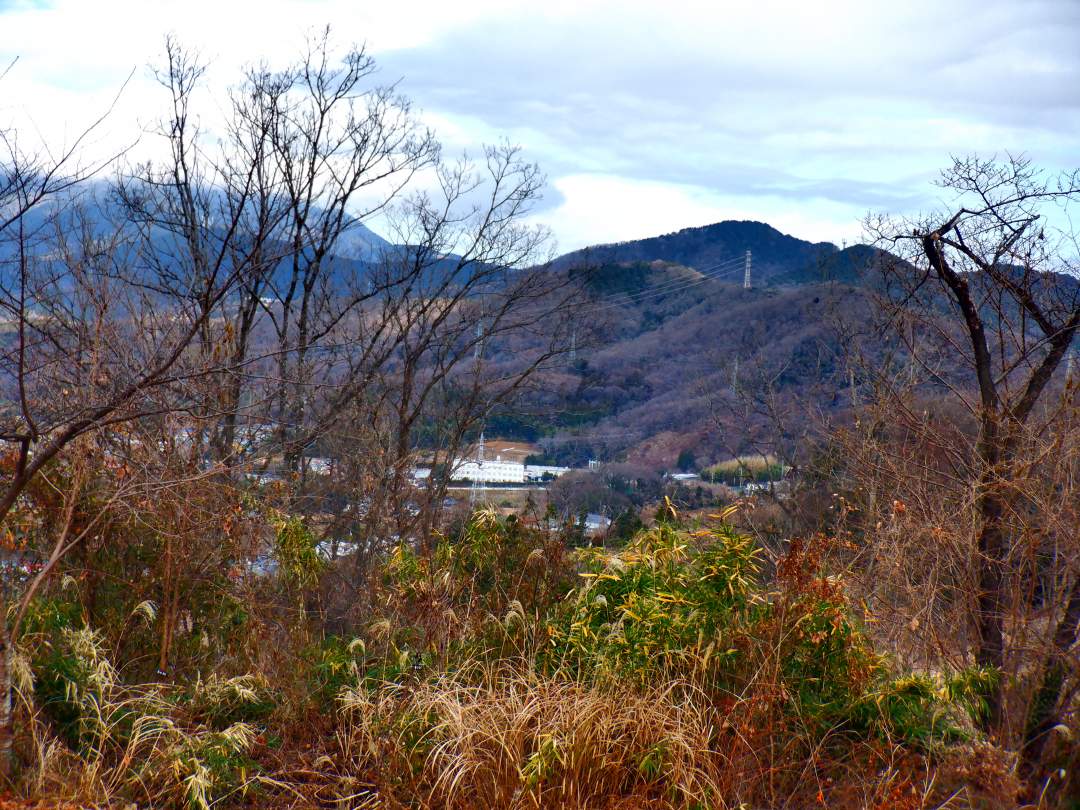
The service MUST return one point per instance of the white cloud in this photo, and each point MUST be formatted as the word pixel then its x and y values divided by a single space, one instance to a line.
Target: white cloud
pixel 607 208
pixel 795 112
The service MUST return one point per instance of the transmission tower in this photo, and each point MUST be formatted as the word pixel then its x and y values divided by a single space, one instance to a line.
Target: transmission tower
pixel 746 273
pixel 478 488
pixel 478 347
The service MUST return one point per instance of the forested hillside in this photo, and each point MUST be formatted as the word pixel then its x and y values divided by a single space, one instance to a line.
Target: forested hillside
pixel 674 353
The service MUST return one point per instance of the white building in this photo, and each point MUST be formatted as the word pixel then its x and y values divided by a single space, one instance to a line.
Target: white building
pixel 536 472
pixel 497 471
pixel 489 472
pixel 318 465
pixel 685 477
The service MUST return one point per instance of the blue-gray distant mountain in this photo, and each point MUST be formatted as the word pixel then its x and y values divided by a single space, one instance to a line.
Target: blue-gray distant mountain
pixel 94 207
pixel 361 243
pixel 775 255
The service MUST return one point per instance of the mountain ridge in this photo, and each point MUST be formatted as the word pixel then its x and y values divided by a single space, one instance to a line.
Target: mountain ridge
pixel 773 253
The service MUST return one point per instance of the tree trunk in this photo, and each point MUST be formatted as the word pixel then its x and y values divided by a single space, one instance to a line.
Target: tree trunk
pixel 1044 713
pixel 7 715
pixel 991 599
pixel 992 547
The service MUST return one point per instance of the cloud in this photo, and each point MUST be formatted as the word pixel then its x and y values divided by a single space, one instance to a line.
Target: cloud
pixel 16 5
pixel 805 113
pixel 822 105
pixel 609 208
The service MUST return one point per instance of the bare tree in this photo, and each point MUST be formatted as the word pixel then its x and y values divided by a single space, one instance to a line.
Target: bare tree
pixel 108 317
pixel 985 302
pixel 465 321
pixel 214 288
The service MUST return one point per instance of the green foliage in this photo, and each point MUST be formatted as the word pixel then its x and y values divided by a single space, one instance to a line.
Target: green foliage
pixel 690 604
pixel 654 761
pixel 625 527
pixel 621 665
pixel 48 615
pixel 296 550
pixel 825 660
pixel 334 665
pixel 214 765
pixel 460 593
pixel 669 601
pixel 165 746
pixel 686 460
pixel 67 669
pixel 612 278
pixel 68 681
pixel 542 763
pixel 222 702
pixel 477 590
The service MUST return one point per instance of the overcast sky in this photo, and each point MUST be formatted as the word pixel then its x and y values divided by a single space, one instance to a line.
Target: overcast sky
pixel 646 117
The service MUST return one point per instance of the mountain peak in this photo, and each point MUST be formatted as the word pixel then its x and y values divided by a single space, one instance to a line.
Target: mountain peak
pixel 773 253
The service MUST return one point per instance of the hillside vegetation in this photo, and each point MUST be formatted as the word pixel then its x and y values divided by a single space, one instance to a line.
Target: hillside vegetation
pixel 502 671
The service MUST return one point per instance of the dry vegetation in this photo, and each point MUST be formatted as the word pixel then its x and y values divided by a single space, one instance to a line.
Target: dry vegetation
pixel 502 671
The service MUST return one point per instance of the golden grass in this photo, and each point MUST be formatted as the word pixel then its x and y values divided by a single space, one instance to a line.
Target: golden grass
pixel 518 739
pixel 134 741
pixel 748 464
pixel 496 736
pixel 494 709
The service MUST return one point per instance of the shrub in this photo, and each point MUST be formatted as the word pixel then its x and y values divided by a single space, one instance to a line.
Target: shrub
pixel 493 575
pixel 681 604
pixel 221 702
pixel 670 673
pixel 670 603
pixel 154 744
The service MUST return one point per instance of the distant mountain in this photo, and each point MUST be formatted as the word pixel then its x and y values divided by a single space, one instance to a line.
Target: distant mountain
pixel 676 346
pixel 674 355
pixel 362 243
pixel 847 266
pixel 775 255
pixel 94 206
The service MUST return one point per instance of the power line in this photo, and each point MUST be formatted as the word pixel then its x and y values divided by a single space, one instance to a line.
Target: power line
pixel 730 266
pixel 674 285
pixel 580 437
pixel 721 269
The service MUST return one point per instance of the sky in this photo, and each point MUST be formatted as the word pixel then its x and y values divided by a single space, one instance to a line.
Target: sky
pixel 646 117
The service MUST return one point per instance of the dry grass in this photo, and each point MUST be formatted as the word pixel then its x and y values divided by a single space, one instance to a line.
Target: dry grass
pixel 133 742
pixel 517 739
pixel 503 737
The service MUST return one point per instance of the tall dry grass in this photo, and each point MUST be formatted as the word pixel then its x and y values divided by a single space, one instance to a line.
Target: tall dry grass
pixel 151 744
pixel 508 737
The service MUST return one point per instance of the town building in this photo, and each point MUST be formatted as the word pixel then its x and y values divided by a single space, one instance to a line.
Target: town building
pixel 489 472
pixel 543 472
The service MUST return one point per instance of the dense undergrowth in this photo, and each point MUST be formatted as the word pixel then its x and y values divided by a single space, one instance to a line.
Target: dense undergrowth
pixel 500 670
